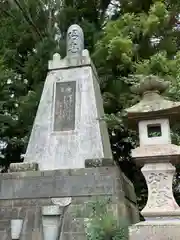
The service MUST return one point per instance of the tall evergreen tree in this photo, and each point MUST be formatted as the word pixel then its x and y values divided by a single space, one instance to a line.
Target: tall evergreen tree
pixel 143 40
pixel 30 32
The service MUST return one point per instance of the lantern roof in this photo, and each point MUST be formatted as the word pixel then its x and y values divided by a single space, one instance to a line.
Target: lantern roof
pixel 152 105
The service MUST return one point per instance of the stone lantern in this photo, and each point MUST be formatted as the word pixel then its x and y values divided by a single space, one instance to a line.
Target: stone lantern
pixel 153 116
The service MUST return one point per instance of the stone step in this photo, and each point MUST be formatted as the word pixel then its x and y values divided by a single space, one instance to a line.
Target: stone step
pixel 5 225
pixel 4 235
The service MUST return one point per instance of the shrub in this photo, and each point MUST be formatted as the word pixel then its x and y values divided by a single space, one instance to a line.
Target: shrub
pixel 103 225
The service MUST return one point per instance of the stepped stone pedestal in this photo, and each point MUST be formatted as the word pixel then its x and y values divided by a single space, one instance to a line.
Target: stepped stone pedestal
pixel 68 162
pixel 25 194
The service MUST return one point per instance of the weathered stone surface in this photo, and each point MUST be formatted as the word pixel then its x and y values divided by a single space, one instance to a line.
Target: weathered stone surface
pixel 56 187
pixel 128 188
pixel 28 202
pixel 152 104
pixel 80 182
pixel 22 211
pixel 73 220
pixel 4 224
pixel 161 202
pixel 16 228
pixel 75 41
pixel 82 185
pixel 69 149
pixel 82 210
pixel 6 203
pixel 64 110
pixel 98 162
pixel 4 235
pixel 23 167
pixel 133 212
pixel 6 213
pixel 73 236
pixel 78 200
pixel 62 202
pixel 161 230
pixel 156 153
pixel 69 126
pixel 74 225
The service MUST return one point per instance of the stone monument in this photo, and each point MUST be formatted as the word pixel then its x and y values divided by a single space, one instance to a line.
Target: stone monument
pixel 68 162
pixel 153 116
pixel 68 127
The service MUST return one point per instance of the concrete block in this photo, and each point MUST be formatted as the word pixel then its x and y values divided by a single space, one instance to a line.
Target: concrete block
pixel 73 236
pixel 23 167
pixel 159 230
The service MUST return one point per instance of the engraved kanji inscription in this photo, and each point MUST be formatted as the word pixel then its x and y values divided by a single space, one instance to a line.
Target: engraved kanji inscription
pixel 64 113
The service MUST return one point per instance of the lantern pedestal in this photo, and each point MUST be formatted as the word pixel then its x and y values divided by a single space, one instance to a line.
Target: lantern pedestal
pixel 162 213
pixel 161 202
pixel 155 230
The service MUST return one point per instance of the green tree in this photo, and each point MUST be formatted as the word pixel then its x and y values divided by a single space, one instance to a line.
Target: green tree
pixel 143 40
pixel 30 32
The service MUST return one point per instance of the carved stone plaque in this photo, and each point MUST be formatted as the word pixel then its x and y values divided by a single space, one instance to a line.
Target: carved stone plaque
pixel 64 112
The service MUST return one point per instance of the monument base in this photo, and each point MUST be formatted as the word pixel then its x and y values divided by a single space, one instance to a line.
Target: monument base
pixel 56 203
pixel 155 230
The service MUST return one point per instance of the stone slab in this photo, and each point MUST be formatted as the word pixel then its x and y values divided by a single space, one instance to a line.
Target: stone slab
pixel 4 225
pixel 128 189
pixel 23 167
pixel 133 211
pixel 4 235
pixel 64 111
pixel 99 162
pixel 102 171
pixel 41 187
pixel 73 236
pixel 159 230
pixel 74 225
pixel 82 184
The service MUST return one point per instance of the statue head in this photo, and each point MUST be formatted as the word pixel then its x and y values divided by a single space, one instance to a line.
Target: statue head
pixel 75 40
